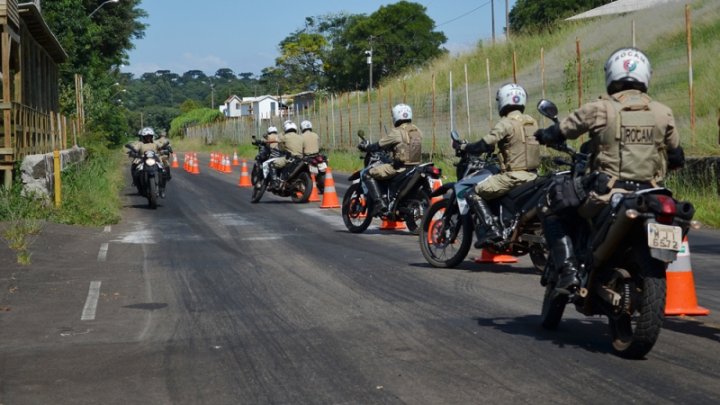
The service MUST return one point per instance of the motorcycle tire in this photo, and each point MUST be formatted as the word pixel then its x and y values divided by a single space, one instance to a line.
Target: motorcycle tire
pixel 152 194
pixel 258 191
pixel 416 205
pixel 302 188
pixel 356 209
pixel 634 334
pixel 444 247
pixel 553 306
pixel 539 259
pixel 256 174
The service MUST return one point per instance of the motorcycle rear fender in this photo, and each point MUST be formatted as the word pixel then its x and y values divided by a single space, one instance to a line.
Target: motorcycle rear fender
pixel 355 176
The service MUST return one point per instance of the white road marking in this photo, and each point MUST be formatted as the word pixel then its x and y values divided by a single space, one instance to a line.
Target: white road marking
pixel 88 313
pixel 270 237
pixel 335 219
pixel 102 254
pixel 107 229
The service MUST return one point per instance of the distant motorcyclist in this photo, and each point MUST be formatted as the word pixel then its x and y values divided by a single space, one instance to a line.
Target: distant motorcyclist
pixel 291 143
pixel 145 142
pixel 633 143
pixel 404 142
pixel 271 138
pixel 519 158
pixel 165 150
pixel 311 148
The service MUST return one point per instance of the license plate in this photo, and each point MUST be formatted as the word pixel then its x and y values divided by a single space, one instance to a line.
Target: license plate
pixel 664 236
pixel 313 170
pixel 322 166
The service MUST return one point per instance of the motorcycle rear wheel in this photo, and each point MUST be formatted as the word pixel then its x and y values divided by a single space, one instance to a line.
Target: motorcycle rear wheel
pixel 356 209
pixel 635 332
pixel 417 204
pixel 444 247
pixel 258 191
pixel 302 188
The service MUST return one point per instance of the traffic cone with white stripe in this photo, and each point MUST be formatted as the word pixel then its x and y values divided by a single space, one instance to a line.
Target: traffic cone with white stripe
pixel 235 161
pixel 175 163
pixel 681 298
pixel 314 195
pixel 244 176
pixel 330 197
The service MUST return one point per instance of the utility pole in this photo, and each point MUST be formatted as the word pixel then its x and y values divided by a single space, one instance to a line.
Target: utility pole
pixel 492 14
pixel 507 21
pixel 369 55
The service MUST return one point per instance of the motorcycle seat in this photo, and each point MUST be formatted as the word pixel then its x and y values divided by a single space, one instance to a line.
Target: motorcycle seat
pixel 526 188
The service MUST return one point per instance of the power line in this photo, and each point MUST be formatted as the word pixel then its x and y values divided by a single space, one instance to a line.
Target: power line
pixel 464 15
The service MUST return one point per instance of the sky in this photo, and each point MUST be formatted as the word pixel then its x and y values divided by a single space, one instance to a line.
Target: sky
pixel 244 35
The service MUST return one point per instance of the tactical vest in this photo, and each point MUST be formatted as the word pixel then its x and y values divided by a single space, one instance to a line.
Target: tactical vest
pixel 409 151
pixel 632 145
pixel 522 151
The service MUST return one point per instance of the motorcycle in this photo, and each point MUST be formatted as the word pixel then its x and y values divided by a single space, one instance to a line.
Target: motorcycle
pixel 297 185
pixel 265 152
pixel 149 177
pixel 448 226
pixel 407 194
pixel 623 254
pixel 318 167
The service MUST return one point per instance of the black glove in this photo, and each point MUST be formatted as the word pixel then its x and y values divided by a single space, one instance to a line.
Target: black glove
pixel 459 145
pixel 478 147
pixel 676 158
pixel 363 145
pixel 549 136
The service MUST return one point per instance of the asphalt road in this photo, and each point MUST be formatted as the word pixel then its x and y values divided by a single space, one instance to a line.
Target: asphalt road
pixel 212 300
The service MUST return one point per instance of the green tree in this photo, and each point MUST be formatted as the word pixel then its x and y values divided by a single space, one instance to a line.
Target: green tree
pixel 528 16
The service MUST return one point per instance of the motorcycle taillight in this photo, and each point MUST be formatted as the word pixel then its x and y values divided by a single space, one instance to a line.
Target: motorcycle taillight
pixel 667 210
pixel 435 172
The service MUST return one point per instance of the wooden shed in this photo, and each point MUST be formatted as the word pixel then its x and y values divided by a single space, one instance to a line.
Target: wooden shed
pixel 31 55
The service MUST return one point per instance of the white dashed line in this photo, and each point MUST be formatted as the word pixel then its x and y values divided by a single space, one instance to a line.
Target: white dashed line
pixel 107 229
pixel 102 254
pixel 88 313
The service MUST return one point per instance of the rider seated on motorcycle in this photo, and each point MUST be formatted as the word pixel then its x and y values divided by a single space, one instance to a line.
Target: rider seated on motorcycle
pixel 633 142
pixel 292 144
pixel 165 150
pixel 404 142
pixel 145 143
pixel 311 148
pixel 519 158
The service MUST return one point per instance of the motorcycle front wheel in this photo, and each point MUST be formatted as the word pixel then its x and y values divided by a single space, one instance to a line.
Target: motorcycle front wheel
pixel 416 205
pixel 258 191
pixel 256 174
pixel 355 209
pixel 152 193
pixel 553 306
pixel 445 237
pixel 302 188
pixel 635 325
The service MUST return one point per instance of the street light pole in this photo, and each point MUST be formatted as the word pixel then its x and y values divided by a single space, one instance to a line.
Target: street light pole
pixel 100 6
pixel 369 62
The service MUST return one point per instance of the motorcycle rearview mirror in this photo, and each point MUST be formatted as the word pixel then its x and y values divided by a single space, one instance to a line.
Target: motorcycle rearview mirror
pixel 548 109
pixel 454 135
pixel 361 134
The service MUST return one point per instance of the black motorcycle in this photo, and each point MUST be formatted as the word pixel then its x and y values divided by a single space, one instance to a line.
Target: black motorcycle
pixel 448 226
pixel 151 178
pixel 623 254
pixel 296 184
pixel 407 194
pixel 265 152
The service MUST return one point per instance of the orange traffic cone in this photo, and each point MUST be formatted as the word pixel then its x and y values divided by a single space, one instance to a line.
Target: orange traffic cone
pixel 435 185
pixel 175 163
pixel 488 257
pixel 392 225
pixel 235 161
pixel 330 198
pixel 681 298
pixel 186 164
pixel 211 163
pixel 228 164
pixel 244 180
pixel 225 165
pixel 315 195
pixel 195 165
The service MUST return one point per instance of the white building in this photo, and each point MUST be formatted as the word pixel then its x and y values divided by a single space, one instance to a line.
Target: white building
pixel 262 107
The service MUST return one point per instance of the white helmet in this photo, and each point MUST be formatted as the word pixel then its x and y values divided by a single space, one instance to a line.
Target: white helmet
pixel 146 131
pixel 510 95
pixel 629 67
pixel 401 112
pixel 272 130
pixel 289 126
pixel 305 125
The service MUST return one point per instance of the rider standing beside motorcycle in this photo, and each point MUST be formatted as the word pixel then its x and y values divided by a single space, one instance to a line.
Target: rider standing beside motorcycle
pixel 405 144
pixel 519 158
pixel 633 142
pixel 292 144
pixel 311 148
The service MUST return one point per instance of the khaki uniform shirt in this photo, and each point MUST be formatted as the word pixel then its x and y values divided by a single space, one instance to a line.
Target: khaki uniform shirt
pixel 630 144
pixel 395 138
pixel 514 135
pixel 311 143
pixel 292 142
pixel 273 141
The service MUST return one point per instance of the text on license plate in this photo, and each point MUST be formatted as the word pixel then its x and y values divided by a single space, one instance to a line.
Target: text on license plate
pixel 664 236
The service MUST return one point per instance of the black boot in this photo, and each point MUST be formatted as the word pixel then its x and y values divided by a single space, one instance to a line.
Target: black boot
pixel 565 262
pixel 374 193
pixel 488 231
pixel 273 179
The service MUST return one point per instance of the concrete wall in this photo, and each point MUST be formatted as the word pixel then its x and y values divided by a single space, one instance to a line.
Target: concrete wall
pixel 37 170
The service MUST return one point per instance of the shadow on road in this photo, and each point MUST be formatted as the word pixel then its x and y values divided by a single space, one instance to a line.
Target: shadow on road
pixel 588 334
pixel 692 327
pixel 469 265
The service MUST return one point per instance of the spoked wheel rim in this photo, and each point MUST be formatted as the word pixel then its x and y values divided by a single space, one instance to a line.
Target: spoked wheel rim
pixel 444 241
pixel 356 210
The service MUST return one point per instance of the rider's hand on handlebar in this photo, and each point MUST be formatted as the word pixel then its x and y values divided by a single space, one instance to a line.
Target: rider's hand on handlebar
pixel 549 136
pixel 459 145
pixel 363 145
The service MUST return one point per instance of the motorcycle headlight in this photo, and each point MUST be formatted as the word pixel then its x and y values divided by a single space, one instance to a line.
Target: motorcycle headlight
pixel 150 162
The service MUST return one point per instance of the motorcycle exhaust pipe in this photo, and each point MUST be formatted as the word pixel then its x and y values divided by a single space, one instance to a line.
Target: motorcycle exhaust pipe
pixel 607 242
pixel 406 188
